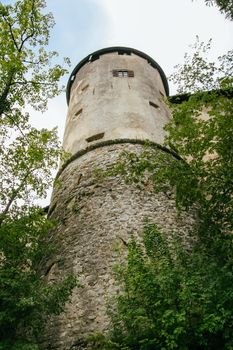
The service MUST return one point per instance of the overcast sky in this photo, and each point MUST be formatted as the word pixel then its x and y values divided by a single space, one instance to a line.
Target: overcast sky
pixel 163 29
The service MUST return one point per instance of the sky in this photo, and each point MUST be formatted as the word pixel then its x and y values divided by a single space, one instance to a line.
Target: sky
pixel 163 29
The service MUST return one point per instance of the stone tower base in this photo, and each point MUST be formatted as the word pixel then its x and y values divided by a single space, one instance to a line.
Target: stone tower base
pixel 96 218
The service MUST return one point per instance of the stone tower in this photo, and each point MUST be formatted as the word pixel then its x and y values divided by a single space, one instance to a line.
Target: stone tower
pixel 116 103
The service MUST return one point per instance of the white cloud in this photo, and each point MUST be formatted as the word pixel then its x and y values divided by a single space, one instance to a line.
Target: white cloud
pixel 164 29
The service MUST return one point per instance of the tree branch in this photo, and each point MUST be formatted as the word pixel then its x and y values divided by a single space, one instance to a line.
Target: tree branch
pixel 11 33
pixel 5 93
pixel 32 82
pixel 31 62
pixel 15 193
pixel 32 26
pixel 18 127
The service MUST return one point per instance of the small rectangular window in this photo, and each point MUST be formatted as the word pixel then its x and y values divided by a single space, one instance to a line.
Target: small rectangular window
pixel 153 104
pixel 95 137
pixel 123 73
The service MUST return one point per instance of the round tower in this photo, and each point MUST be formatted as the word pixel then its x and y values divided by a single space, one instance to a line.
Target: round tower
pixel 115 93
pixel 116 103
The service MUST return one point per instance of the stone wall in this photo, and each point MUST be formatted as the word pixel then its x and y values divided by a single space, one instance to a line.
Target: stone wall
pixel 106 107
pixel 95 219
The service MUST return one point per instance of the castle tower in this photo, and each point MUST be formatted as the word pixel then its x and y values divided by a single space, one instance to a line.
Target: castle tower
pixel 116 103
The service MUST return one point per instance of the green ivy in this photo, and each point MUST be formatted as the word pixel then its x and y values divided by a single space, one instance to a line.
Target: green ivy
pixel 26 298
pixel 175 294
pixel 172 298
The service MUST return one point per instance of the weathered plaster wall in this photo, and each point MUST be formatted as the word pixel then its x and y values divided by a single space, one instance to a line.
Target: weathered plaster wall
pixel 95 218
pixel 117 107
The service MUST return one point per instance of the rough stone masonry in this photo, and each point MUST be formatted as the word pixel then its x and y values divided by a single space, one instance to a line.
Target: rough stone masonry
pixel 116 103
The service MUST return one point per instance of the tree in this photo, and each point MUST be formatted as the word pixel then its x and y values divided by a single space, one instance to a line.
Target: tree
pixel 172 298
pixel 26 72
pixel 29 77
pixel 26 299
pixel 175 296
pixel 225 6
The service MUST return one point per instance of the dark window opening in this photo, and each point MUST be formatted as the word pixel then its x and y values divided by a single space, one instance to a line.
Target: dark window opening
pixel 153 104
pixel 79 112
pixel 95 137
pixel 123 73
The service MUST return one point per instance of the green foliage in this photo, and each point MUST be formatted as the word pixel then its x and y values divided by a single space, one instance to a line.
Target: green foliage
pixel 178 295
pixel 26 299
pixel 198 73
pixel 197 164
pixel 26 168
pixel 206 145
pixel 27 74
pixel 30 76
pixel 201 133
pixel 172 298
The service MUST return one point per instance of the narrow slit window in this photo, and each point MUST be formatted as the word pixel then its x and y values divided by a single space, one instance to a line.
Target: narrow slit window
pixel 85 87
pixel 161 93
pixel 153 104
pixel 78 112
pixel 95 137
pixel 123 73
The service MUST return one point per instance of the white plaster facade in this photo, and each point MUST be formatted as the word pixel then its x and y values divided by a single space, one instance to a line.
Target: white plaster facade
pixel 106 107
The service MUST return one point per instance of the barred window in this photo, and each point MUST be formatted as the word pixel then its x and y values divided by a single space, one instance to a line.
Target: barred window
pixel 123 73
